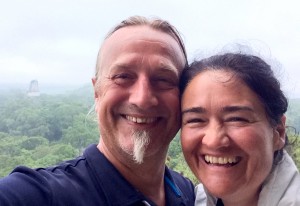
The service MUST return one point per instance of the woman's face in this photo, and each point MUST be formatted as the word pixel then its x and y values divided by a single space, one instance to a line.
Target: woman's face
pixel 227 139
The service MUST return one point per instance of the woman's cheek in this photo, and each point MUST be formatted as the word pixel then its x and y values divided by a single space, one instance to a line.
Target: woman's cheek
pixel 189 140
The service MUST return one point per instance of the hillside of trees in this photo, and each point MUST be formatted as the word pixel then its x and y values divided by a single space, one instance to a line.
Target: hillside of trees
pixel 45 130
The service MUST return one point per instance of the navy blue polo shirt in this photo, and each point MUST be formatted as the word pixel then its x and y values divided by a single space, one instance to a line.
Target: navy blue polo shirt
pixel 87 180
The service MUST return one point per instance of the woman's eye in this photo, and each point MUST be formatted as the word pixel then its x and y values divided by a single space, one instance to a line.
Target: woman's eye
pixel 238 119
pixel 194 121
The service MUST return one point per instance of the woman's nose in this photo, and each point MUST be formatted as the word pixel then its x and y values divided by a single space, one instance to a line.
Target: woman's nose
pixel 216 137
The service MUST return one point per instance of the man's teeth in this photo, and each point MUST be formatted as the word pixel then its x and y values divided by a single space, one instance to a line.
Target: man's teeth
pixel 140 120
pixel 220 160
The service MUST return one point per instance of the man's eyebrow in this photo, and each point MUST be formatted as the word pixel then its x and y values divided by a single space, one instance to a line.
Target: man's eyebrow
pixel 168 68
pixel 119 66
pixel 163 68
pixel 193 110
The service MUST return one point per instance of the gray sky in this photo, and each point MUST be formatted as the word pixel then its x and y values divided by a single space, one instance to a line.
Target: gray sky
pixel 56 41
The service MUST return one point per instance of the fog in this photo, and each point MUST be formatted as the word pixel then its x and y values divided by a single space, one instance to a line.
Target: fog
pixel 56 42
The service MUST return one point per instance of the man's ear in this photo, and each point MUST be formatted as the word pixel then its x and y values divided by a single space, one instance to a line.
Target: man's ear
pixel 96 96
pixel 279 134
pixel 94 80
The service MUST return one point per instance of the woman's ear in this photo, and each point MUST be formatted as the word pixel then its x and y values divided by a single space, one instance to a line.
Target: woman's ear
pixel 279 134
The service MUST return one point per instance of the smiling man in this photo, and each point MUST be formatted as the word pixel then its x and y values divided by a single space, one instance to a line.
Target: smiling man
pixel 136 100
pixel 137 105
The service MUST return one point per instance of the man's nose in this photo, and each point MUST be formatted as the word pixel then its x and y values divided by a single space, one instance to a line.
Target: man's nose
pixel 143 94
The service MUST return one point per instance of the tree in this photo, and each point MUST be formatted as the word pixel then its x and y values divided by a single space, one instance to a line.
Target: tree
pixel 176 161
pixel 84 131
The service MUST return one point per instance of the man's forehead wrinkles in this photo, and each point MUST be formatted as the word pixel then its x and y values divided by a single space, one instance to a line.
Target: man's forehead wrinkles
pixel 162 68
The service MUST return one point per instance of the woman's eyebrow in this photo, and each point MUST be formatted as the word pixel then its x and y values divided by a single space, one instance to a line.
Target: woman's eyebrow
pixel 237 108
pixel 193 110
pixel 224 109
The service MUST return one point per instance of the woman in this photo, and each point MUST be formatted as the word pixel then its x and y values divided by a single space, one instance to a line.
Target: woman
pixel 233 133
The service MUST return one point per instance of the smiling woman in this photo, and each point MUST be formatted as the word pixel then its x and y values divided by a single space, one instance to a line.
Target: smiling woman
pixel 233 132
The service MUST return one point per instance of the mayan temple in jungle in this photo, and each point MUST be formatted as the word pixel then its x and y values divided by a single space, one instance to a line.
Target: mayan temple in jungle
pixel 33 90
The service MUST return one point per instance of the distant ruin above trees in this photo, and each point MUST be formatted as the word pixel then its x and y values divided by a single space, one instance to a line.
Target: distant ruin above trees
pixel 33 89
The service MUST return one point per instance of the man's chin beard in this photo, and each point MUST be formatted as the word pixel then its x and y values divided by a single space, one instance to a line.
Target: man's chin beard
pixel 140 141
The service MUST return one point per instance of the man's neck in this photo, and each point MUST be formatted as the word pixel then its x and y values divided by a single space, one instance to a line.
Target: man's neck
pixel 149 184
pixel 147 177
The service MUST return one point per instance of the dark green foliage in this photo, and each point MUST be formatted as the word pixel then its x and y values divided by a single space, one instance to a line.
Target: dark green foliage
pixel 32 152
pixel 293 146
pixel 293 123
pixel 46 116
pixel 293 114
pixel 176 161
pixel 33 142
pixel 45 130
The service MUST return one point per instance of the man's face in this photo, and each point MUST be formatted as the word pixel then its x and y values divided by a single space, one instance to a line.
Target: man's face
pixel 137 90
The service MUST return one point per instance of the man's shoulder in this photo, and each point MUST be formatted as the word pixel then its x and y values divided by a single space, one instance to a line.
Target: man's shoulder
pixel 185 184
pixel 180 179
pixel 45 176
pixel 181 186
pixel 51 185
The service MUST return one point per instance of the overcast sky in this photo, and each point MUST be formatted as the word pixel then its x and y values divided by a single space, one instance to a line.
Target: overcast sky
pixel 56 41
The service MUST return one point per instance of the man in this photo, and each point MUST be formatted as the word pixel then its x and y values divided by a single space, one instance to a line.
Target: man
pixel 137 105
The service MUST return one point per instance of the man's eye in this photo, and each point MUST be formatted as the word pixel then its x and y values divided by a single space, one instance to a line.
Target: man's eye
pixel 163 79
pixel 122 78
pixel 165 83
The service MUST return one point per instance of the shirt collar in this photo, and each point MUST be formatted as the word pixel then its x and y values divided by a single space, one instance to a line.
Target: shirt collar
pixel 118 190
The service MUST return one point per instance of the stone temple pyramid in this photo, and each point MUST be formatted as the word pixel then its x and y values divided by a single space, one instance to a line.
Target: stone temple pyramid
pixel 33 89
